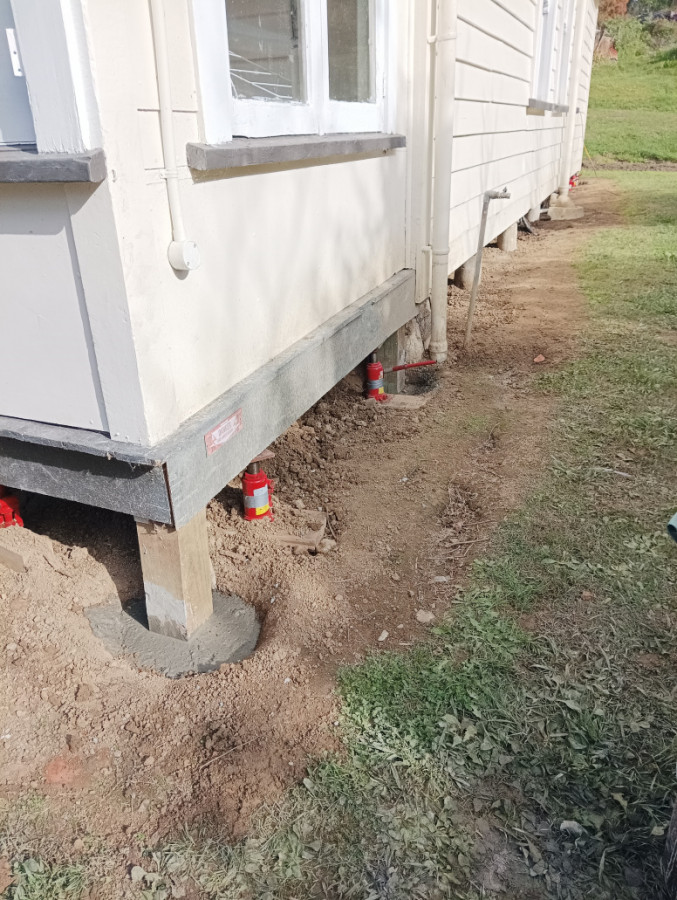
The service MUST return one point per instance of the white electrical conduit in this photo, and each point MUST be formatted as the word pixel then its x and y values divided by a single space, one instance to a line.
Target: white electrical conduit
pixel 570 129
pixel 183 255
pixel 488 197
pixel 444 44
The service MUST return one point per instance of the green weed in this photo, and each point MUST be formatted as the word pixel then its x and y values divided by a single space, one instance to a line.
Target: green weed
pixel 35 880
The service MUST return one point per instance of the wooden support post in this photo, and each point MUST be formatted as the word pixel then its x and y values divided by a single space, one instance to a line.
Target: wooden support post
pixel 465 275
pixel 176 576
pixel 507 240
pixel 392 353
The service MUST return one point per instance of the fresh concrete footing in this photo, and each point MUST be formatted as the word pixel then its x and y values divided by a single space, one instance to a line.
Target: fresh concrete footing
pixel 562 208
pixel 507 240
pixel 228 636
pixel 562 213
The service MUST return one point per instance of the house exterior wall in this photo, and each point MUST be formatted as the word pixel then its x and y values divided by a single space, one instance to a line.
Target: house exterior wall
pixel 53 374
pixel 498 141
pixel 283 247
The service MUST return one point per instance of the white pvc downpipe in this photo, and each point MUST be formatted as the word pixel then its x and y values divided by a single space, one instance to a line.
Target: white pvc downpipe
pixel 444 44
pixel 572 100
pixel 183 255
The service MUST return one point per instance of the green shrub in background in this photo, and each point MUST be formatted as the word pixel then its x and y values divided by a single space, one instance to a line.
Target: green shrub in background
pixel 661 33
pixel 630 36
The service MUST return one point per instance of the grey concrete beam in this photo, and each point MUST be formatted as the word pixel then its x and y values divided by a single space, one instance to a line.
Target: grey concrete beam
pixel 27 165
pixel 294 148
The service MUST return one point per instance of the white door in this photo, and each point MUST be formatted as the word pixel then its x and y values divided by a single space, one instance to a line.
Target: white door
pixel 16 121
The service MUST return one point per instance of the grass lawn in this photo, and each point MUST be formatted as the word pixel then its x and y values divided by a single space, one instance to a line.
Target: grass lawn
pixel 548 697
pixel 633 109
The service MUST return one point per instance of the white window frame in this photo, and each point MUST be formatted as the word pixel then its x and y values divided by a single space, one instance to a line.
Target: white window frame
pixel 565 50
pixel 545 45
pixel 54 54
pixel 224 116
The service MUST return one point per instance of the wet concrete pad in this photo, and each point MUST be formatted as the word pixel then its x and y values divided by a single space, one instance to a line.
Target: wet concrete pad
pixel 228 636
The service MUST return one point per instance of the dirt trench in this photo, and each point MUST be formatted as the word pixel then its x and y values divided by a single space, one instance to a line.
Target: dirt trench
pixel 91 747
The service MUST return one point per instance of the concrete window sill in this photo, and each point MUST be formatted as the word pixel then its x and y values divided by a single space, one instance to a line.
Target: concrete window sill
pixel 242 152
pixel 540 106
pixel 27 165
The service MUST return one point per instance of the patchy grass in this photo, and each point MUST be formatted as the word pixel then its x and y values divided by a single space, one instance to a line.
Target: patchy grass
pixel 633 109
pixel 34 880
pixel 530 744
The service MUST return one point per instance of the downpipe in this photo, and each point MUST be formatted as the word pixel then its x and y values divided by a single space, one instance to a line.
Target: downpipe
pixel 183 254
pixel 444 44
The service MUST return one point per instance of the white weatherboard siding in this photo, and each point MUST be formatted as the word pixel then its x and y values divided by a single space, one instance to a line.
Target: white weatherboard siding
pixel 52 375
pixel 498 143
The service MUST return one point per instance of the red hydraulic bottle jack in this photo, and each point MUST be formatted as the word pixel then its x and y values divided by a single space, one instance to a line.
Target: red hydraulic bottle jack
pixel 375 373
pixel 9 509
pixel 256 489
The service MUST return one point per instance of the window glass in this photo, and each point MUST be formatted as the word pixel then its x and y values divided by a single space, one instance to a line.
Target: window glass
pixel 350 60
pixel 265 53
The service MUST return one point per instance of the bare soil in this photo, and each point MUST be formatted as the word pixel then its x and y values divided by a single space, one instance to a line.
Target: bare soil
pixel 411 497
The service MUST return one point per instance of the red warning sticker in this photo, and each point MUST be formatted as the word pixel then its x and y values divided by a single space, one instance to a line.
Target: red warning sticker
pixel 223 432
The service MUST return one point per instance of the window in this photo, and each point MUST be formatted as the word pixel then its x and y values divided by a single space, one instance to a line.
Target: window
pixel 553 51
pixel 16 120
pixel 306 66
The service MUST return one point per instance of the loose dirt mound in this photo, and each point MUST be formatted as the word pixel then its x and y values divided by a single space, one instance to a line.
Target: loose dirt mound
pixel 106 751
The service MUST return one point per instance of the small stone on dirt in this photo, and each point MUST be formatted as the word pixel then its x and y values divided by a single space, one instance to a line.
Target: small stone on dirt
pixel 587 595
pixel 73 742
pixel 382 636
pixel 424 617
pixel 326 545
pixel 539 359
pixel 137 874
pixel 78 845
pixel 148 761
pixel 395 576
pixel 83 693
pixel 299 504
pixel 441 579
pixel 571 826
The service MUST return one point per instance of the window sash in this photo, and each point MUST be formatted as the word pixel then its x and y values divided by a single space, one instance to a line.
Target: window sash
pixel 546 44
pixel 319 115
